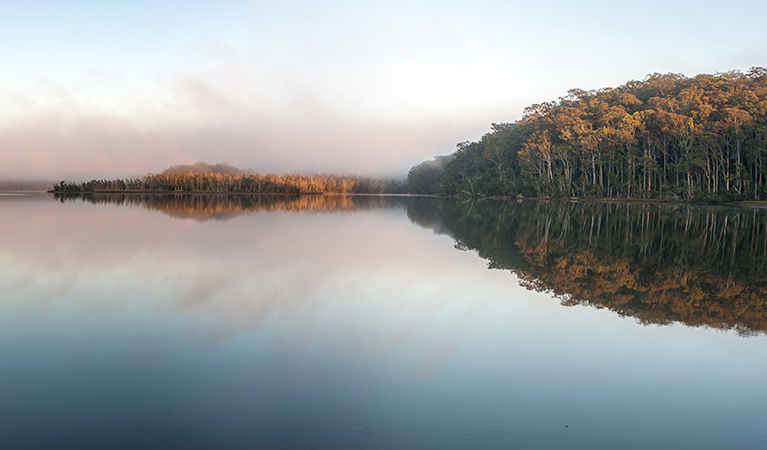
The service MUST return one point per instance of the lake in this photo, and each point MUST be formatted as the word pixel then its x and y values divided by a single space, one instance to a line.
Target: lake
pixel 325 322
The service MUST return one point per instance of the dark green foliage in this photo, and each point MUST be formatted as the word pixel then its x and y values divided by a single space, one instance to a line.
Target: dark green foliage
pixel 425 178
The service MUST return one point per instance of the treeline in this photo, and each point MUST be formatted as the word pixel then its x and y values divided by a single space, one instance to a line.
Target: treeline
pixel 218 181
pixel 668 136
pixel 701 266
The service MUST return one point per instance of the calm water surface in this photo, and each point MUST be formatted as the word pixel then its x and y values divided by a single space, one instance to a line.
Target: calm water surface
pixel 374 323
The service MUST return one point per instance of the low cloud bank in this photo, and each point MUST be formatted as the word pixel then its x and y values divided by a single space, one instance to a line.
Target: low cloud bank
pixel 60 134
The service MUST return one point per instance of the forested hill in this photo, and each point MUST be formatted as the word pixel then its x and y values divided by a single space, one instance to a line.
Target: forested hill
pixel 667 136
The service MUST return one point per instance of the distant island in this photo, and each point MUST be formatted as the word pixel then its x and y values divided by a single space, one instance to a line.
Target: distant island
pixel 666 137
pixel 222 178
pixel 25 185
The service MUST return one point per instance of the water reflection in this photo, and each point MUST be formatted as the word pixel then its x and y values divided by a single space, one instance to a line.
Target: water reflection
pixel 227 206
pixel 124 327
pixel 658 263
pixel 128 329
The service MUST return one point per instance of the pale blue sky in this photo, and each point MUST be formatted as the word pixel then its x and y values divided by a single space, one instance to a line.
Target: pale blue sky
pixel 97 89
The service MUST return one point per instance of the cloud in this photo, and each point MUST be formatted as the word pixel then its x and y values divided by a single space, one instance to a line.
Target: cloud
pixel 336 87
pixel 111 129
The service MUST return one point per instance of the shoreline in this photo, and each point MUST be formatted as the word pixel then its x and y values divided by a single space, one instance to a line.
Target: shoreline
pixel 661 201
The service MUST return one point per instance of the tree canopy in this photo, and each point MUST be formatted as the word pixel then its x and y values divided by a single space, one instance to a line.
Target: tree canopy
pixel 667 136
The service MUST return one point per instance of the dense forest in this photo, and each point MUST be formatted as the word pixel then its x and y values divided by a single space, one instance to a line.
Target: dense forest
pixel 218 178
pixel 701 266
pixel 667 136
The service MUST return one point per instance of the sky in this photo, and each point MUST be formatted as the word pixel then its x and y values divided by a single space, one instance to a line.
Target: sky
pixel 93 89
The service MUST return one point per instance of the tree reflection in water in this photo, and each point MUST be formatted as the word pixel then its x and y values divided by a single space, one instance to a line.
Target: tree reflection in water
pixel 701 266
pixel 659 263
pixel 226 206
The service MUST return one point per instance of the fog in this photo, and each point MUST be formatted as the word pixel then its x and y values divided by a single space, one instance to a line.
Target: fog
pixel 71 133
pixel 118 90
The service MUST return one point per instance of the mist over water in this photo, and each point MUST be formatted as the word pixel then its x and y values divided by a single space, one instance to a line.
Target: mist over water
pixel 346 322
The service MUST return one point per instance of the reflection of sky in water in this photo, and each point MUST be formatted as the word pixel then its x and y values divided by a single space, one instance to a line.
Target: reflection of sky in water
pixel 122 328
